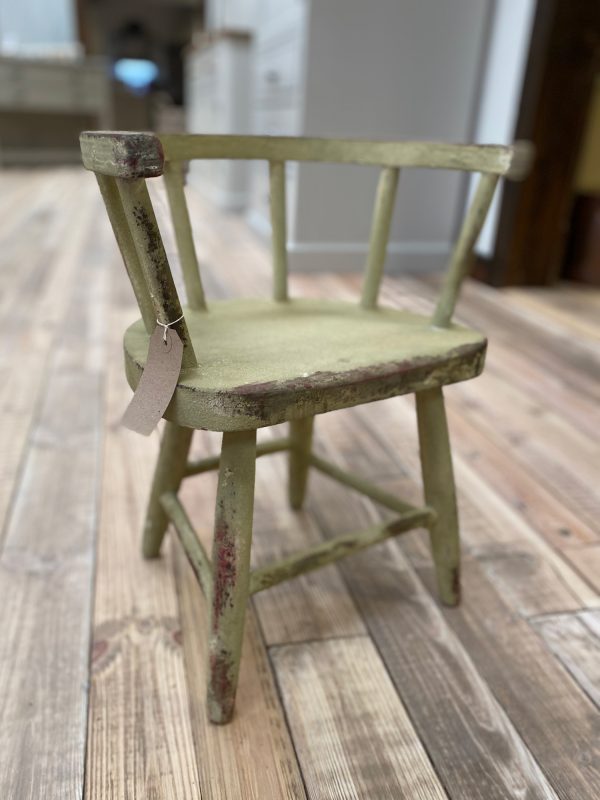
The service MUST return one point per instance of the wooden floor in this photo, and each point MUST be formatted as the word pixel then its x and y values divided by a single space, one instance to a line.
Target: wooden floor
pixel 355 683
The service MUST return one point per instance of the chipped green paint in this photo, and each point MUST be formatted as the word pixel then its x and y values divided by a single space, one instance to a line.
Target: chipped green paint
pixel 380 233
pixel 231 570
pixel 438 482
pixel 334 549
pixel 153 259
pixel 264 362
pixel 301 432
pixel 169 472
pixel 173 176
pixel 277 203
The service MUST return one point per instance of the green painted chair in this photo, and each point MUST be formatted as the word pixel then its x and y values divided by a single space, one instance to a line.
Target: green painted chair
pixel 253 363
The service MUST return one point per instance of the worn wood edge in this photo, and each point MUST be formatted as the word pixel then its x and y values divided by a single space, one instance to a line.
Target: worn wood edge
pixel 257 406
pixel 121 154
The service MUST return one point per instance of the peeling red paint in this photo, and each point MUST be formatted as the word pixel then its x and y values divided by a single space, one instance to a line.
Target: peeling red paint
pixel 224 570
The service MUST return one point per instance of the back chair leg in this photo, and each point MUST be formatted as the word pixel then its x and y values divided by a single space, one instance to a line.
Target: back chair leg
pixel 231 570
pixel 438 481
pixel 169 472
pixel 301 431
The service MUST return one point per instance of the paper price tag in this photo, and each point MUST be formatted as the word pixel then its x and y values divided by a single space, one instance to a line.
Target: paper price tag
pixel 157 384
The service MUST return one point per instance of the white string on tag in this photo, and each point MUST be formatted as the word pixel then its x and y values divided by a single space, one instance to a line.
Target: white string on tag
pixel 166 325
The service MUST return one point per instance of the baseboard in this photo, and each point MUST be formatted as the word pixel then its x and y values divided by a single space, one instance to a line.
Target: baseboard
pixel 412 256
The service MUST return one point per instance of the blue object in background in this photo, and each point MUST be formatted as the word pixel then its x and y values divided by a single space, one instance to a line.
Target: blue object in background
pixel 137 73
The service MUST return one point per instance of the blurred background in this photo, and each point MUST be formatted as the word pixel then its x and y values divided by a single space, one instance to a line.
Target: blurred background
pixel 486 71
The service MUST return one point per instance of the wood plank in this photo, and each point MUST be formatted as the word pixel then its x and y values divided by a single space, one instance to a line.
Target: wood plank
pixel 555 718
pixel 47 565
pixel 251 757
pixel 575 641
pixel 25 348
pixel 491 721
pixel 563 459
pixel 352 734
pixel 586 560
pixel 269 768
pixel 521 489
pixel 474 748
pixel 519 562
pixel 565 315
pixel 555 361
pixel 140 739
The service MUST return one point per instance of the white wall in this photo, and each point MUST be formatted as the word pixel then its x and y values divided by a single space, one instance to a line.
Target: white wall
pixel 501 90
pixel 395 70
pixel 27 24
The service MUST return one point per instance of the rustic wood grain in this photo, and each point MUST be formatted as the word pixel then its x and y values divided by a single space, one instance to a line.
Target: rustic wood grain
pixel 587 561
pixel 46 567
pixel 495 700
pixel 526 569
pixel 352 733
pixel 473 745
pixel 251 757
pixel 39 274
pixel 575 641
pixel 140 741
pixel 535 691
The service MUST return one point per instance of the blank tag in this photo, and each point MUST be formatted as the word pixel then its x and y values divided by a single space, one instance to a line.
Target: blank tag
pixel 157 384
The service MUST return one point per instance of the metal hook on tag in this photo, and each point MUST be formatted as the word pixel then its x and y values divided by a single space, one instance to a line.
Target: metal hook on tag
pixel 166 325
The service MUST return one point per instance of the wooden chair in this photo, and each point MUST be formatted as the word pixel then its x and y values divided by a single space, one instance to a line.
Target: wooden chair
pixel 254 363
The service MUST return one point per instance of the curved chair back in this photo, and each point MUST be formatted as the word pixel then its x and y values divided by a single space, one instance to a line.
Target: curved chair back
pixel 123 161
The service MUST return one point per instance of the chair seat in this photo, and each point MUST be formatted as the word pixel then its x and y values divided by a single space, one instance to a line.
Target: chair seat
pixel 262 362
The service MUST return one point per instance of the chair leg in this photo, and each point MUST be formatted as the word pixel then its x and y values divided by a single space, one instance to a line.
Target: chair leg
pixel 169 472
pixel 301 431
pixel 231 570
pixel 438 481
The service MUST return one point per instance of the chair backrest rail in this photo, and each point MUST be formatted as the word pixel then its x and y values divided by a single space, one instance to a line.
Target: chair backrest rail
pixel 122 161
pixel 153 259
pixel 173 177
pixel 120 226
pixel 380 234
pixel 435 155
pixel 460 260
pixel 278 228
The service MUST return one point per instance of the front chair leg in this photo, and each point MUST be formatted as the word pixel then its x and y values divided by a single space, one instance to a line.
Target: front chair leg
pixel 169 472
pixel 301 444
pixel 438 481
pixel 231 570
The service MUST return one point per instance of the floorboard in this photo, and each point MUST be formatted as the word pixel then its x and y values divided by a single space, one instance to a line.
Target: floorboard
pixel 354 682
